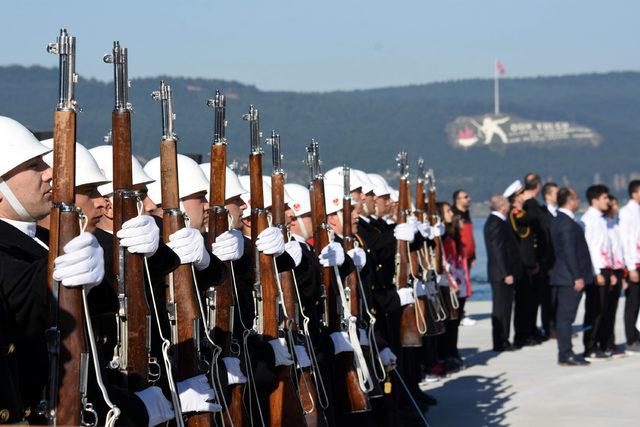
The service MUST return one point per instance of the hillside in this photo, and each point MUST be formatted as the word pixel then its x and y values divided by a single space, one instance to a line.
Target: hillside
pixel 366 128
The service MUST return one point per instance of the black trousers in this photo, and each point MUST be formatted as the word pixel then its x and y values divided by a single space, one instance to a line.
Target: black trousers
pixel 524 307
pixel 502 298
pixel 594 306
pixel 567 301
pixel 448 342
pixel 631 306
pixel 545 301
pixel 612 298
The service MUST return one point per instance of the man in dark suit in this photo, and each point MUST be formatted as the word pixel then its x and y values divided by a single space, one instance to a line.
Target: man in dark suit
pixel 571 269
pixel 504 268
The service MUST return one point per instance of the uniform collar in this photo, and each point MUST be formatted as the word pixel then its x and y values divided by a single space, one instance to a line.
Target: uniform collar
pixel 365 219
pixel 499 215
pixel 298 238
pixel 568 213
pixel 27 227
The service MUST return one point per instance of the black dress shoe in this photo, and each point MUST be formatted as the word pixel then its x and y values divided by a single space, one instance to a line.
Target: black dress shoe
pixel 505 347
pixel 572 361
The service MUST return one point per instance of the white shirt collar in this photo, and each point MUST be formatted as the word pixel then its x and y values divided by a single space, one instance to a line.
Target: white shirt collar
pixel 365 219
pixel 374 216
pixel 594 212
pixel 553 209
pixel 499 215
pixel 298 238
pixel 28 228
pixel 568 212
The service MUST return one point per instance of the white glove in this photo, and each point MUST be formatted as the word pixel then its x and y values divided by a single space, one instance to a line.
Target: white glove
pixel 270 241
pixel 82 263
pixel 359 257
pixel 332 255
pixel 294 250
pixel 341 342
pixel 363 338
pixel 229 246
pixel 413 222
pixel 389 359
pixel 195 394
pixel 140 235
pixel 425 229
pixel 421 289
pixel 437 230
pixel 281 352
pixel 302 356
pixel 158 407
pixel 234 373
pixel 188 244
pixel 404 232
pixel 406 296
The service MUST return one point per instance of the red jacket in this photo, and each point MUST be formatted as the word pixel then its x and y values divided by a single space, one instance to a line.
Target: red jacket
pixel 458 266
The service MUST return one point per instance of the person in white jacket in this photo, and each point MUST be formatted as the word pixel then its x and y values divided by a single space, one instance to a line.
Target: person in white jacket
pixel 630 234
pixel 597 236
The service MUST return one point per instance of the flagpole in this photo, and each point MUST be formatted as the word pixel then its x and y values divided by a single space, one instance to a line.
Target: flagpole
pixel 496 89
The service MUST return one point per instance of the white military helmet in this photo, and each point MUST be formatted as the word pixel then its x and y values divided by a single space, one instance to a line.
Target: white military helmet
pixel 300 201
pixel 87 169
pixel 245 180
pixel 367 185
pixel 333 196
pixel 394 194
pixel 336 176
pixel 17 144
pixel 104 157
pixel 380 185
pixel 191 179
pixel 232 186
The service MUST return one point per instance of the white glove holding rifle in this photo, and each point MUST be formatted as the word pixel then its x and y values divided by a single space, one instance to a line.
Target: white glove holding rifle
pixel 158 408
pixel 189 245
pixel 82 263
pixel 140 235
pixel 332 255
pixel 270 241
pixel 229 246
pixel 195 394
pixel 404 231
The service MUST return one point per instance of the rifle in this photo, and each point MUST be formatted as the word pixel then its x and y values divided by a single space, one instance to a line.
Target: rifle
pixel 348 240
pixel 433 308
pixel 220 298
pixel 182 305
pixel 134 321
pixel 410 336
pixel 68 356
pixel 436 255
pixel 349 396
pixel 284 404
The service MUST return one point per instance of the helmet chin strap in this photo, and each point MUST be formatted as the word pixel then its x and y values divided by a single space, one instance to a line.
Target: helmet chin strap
pixel 20 210
pixel 303 228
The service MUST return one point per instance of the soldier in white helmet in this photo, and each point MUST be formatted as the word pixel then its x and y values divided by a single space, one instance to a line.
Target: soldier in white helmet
pixel 25 197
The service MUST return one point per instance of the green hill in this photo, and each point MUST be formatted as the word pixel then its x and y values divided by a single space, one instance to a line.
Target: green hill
pixel 365 128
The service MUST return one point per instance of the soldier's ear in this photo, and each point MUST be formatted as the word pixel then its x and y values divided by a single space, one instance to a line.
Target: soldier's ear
pixel 108 209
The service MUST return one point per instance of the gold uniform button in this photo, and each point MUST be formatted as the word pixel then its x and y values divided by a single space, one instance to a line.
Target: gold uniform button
pixel 4 415
pixel 11 348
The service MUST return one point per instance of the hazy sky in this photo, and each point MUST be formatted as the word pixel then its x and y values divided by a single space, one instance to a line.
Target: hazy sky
pixel 330 44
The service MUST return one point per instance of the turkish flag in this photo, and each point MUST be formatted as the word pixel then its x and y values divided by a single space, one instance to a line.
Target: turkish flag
pixel 500 68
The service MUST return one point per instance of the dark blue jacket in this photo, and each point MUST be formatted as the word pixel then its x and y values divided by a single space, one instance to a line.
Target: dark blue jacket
pixel 572 260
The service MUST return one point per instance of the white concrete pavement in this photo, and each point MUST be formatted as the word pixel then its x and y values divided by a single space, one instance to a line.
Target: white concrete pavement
pixel 528 388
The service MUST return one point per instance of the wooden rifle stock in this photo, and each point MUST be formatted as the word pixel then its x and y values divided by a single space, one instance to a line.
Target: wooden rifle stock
pixel 218 224
pixel 133 311
pixel 65 397
pixel 284 403
pixel 182 305
pixel 433 220
pixel 68 357
pixel 347 244
pixel 409 334
pixel 349 397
